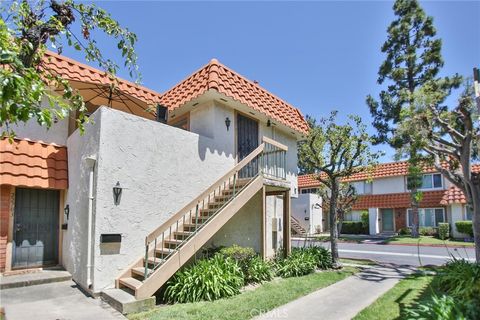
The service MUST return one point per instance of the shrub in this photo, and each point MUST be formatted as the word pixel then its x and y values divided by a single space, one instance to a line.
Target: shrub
pixel 405 232
pixel 460 278
pixel 443 230
pixel 365 220
pixel 353 227
pixel 240 254
pixel 208 279
pixel 300 262
pixel 258 271
pixel 323 257
pixel 465 227
pixel 439 308
pixel 427 231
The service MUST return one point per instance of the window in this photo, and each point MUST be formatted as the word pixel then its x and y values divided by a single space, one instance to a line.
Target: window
pixel 368 187
pixel 363 187
pixel 428 217
pixel 468 213
pixel 309 190
pixel 431 181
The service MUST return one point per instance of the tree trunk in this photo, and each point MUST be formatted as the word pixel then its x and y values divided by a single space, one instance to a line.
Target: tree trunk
pixel 415 218
pixel 333 225
pixel 476 213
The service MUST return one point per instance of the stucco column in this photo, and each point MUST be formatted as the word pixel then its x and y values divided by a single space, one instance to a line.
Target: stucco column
pixel 457 215
pixel 373 221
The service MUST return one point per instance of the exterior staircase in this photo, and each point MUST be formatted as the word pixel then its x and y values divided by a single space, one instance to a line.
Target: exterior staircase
pixel 297 228
pixel 172 244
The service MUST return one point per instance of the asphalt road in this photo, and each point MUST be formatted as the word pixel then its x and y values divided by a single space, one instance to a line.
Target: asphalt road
pixel 397 254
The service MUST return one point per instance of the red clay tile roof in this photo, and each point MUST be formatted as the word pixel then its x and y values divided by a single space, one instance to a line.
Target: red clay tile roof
pixel 73 70
pixel 453 195
pixel 382 170
pixel 397 200
pixel 216 76
pixel 33 164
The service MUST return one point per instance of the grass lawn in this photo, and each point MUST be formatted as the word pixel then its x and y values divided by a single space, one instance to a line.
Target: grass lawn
pixel 426 240
pixel 250 303
pixel 392 304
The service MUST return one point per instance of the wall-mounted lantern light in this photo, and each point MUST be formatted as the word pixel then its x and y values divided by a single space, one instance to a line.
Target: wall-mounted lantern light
pixel 227 122
pixel 66 210
pixel 269 123
pixel 117 193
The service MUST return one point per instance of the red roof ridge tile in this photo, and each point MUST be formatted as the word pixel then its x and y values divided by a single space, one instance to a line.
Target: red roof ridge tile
pixel 210 76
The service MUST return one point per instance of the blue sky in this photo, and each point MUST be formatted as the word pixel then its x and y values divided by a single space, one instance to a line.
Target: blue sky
pixel 316 55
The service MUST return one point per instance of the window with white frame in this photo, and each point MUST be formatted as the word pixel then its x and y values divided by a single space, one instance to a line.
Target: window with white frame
pixel 431 181
pixel 427 217
pixel 309 190
pixel 468 213
pixel 362 187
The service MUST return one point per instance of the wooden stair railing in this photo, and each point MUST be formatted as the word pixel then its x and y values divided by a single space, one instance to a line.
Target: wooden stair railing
pixel 183 231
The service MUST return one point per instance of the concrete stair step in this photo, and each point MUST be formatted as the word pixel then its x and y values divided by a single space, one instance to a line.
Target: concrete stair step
pixel 34 278
pixel 125 303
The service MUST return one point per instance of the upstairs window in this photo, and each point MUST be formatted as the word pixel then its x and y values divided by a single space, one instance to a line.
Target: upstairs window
pixel 309 190
pixel 431 181
pixel 362 187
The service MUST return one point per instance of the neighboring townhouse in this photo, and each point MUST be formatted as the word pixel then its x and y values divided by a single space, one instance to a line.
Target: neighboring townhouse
pixel 383 194
pixel 144 189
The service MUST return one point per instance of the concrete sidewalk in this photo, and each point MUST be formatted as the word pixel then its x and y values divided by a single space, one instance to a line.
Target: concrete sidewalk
pixel 344 299
pixel 54 301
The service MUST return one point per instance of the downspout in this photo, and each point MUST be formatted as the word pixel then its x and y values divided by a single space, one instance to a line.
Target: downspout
pixel 91 163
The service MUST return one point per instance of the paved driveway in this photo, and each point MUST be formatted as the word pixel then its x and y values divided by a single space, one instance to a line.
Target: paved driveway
pixel 398 254
pixel 59 300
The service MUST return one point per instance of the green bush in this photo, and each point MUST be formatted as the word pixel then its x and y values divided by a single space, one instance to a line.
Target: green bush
pixel 300 262
pixel 405 232
pixel 323 257
pixel 254 269
pixel 427 231
pixel 365 220
pixel 354 227
pixel 443 230
pixel 258 271
pixel 439 308
pixel 208 279
pixel 465 227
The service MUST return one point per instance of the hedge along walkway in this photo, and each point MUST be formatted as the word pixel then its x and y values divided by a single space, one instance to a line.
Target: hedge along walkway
pixel 344 299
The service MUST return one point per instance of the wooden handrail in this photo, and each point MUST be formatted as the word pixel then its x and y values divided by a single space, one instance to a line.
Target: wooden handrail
pixel 192 204
pixel 275 143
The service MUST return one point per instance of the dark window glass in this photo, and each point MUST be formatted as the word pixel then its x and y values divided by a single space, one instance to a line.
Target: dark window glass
pixel 437 180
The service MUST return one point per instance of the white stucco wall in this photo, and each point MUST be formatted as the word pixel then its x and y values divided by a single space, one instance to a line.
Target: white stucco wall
pixel 373 216
pixel 389 185
pixel 457 213
pixel 57 133
pixel 244 228
pixel 304 207
pixel 161 168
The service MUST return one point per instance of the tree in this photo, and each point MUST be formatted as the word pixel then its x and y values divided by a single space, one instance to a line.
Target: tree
pixel 311 121
pixel 26 28
pixel 333 152
pixel 450 139
pixel 413 58
pixel 347 196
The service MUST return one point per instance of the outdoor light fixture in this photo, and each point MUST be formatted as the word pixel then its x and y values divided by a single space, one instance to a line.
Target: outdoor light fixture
pixel 66 210
pixel 227 122
pixel 117 192
pixel 269 123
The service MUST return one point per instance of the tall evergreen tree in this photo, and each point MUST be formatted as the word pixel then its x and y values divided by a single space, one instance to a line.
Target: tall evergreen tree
pixel 413 59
